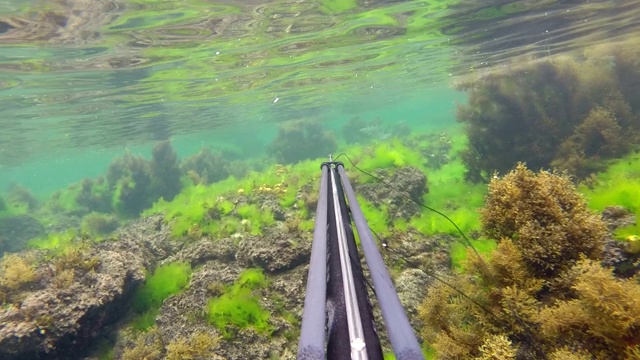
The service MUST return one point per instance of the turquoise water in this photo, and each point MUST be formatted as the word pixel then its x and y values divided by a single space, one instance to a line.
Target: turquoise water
pixel 82 81
pixel 62 166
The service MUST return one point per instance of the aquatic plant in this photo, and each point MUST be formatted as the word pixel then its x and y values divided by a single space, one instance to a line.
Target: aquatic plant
pixel 240 306
pixel 54 241
pixel 254 218
pixel 165 169
pixel 75 258
pixel 129 178
pixel 228 206
pixel 450 194
pixel 527 113
pixel 604 317
pixel 598 136
pixel 94 195
pixel 532 301
pixel 205 167
pixel 389 155
pixel 301 140
pixel 545 216
pixel 377 217
pixel 19 200
pixel 618 185
pixel 146 346
pixel 15 271
pixel 199 345
pixel 136 183
pixel 459 251
pixel 166 280
pixel 97 224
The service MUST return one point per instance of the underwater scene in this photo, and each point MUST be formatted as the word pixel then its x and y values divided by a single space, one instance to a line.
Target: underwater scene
pixel 160 174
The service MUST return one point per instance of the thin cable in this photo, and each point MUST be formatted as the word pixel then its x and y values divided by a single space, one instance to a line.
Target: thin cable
pixel 418 203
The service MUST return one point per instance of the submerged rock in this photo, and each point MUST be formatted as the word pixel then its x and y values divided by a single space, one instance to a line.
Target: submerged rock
pixel 408 183
pixel 616 253
pixel 72 306
pixel 275 252
pixel 79 292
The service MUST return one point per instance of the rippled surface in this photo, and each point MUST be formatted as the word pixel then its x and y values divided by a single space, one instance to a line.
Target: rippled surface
pixel 81 74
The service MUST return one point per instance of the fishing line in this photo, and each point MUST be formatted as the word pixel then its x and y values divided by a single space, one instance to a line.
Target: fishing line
pixel 466 239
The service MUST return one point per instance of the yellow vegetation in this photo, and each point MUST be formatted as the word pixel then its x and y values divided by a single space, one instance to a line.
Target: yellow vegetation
pixel 15 271
pixel 545 216
pixel 542 292
pixel 199 345
pixel 605 316
pixel 147 346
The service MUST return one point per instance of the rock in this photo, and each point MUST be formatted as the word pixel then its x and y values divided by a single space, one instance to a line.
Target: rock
pixel 416 250
pixel 614 253
pixel 275 252
pixel 54 321
pixel 617 217
pixel 411 286
pixel 409 183
pixel 205 250
pixel 185 313
pixel 150 238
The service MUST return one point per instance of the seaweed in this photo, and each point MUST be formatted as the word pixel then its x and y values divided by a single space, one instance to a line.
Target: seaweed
pixel 97 225
pixel 239 306
pixel 598 137
pixel 604 317
pixel 545 216
pixel 205 167
pixel 195 346
pixel 519 299
pixel 549 113
pixel 129 178
pixel 166 280
pixel 165 169
pixel 301 140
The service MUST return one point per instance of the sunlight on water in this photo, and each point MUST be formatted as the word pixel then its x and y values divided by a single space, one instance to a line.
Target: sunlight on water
pixel 103 74
pixel 108 73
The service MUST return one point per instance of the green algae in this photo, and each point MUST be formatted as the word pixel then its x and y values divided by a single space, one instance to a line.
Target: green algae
pixel 619 185
pixel 165 281
pixel 55 241
pixel 240 306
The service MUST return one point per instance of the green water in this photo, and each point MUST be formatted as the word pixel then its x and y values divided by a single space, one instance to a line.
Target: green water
pixel 80 82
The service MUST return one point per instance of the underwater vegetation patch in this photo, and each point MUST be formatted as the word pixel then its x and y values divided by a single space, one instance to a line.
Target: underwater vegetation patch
pixel 55 241
pixel 239 305
pixel 561 112
pixel 165 281
pixel 540 292
pixel 301 140
pixel 619 185
pixel 460 251
pixel 235 205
